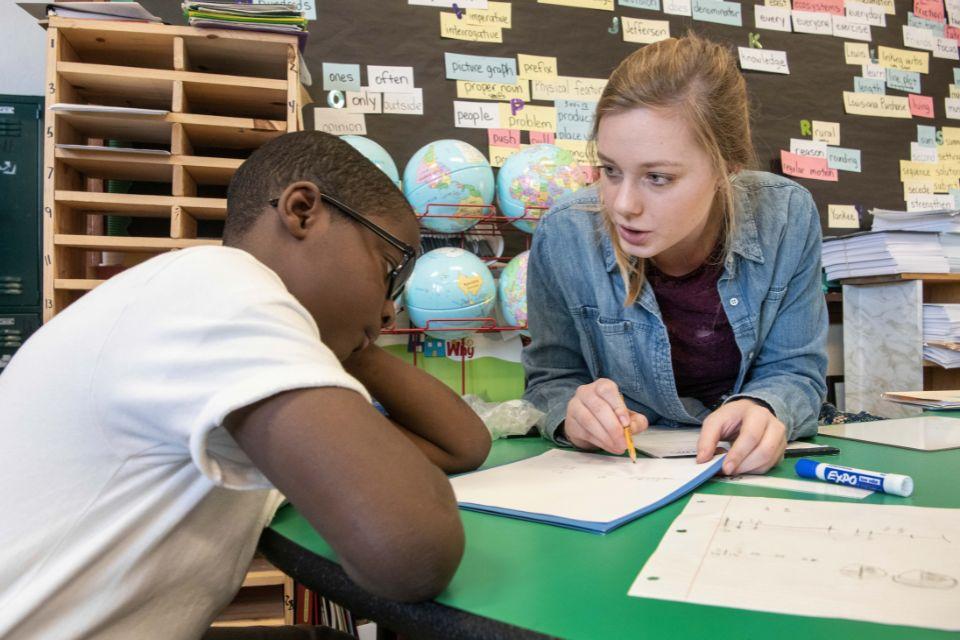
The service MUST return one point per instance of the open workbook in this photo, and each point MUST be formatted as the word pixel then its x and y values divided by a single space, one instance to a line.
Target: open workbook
pixel 585 491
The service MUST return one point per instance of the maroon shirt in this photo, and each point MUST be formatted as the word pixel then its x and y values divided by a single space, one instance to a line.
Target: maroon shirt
pixel 706 359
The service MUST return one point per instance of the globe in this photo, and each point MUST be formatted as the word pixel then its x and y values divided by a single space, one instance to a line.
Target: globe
pixel 448 172
pixel 449 283
pixel 375 154
pixel 512 291
pixel 537 177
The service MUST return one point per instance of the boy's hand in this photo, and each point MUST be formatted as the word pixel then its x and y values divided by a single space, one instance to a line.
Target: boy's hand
pixel 597 416
pixel 760 438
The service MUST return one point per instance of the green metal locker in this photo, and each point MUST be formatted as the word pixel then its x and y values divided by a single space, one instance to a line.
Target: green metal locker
pixel 21 130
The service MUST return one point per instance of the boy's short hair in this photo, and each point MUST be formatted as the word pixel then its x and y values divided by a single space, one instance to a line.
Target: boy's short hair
pixel 338 170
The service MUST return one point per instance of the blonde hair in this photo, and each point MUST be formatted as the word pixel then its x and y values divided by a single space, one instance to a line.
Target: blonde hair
pixel 698 79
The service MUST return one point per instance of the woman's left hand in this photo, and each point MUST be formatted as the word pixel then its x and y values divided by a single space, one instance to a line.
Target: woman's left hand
pixel 759 439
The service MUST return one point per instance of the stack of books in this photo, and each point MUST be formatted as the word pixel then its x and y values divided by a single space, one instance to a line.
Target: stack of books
pixel 877 253
pixel 126 11
pixel 272 18
pixel 941 334
pixel 939 220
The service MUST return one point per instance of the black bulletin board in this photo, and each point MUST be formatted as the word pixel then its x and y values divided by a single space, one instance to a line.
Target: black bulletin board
pixel 392 32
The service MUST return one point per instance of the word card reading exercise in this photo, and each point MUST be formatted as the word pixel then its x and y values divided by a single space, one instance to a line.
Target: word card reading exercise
pixel 586 491
pixel 887 564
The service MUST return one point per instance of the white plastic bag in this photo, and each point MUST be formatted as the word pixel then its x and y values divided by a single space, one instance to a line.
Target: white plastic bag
pixel 513 417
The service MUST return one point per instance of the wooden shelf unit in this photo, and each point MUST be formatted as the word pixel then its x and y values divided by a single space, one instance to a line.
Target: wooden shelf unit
pixel 225 93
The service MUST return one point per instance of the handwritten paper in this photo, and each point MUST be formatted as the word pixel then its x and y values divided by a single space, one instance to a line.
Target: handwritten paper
pixel 504 138
pixel 341 77
pixel 868 104
pixel 541 137
pixel 887 5
pixel 567 88
pixel 651 5
pixel 902 59
pixel 900 80
pixel 842 216
pixel 808 148
pixel 677 7
pixel 818 23
pixel 460 66
pixel 844 27
pixel 499 155
pixel 834 7
pixel 530 118
pixel 644 31
pixel 926 135
pixel 804 167
pixel 828 132
pixel 843 159
pixel 472 90
pixel 583 152
pixel 915 21
pixel 779 4
pixel 574 119
pixel 918 38
pixel 476 115
pixel 921 106
pixel 874 72
pixel 913 188
pixel 393 79
pixel 920 153
pixel 604 5
pixel 945 48
pixel 364 102
pixel 497 14
pixel 772 18
pixel 856 53
pixel 952 106
pixel 920 202
pixel 929 9
pixel 454 29
pixel 543 67
pixel 868 85
pixel 734 551
pixel 868 14
pixel 339 122
pixel 717 11
pixel 767 60
pixel 406 103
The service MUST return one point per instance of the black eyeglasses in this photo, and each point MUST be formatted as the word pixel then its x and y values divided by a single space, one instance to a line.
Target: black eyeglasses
pixel 397 277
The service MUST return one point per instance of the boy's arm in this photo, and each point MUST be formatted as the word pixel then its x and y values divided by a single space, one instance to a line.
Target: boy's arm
pixel 427 411
pixel 389 514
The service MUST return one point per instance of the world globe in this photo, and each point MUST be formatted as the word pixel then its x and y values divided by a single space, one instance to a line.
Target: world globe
pixel 375 154
pixel 537 176
pixel 512 291
pixel 449 283
pixel 449 172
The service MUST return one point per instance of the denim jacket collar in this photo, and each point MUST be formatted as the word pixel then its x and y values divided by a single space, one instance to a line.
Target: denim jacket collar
pixel 745 241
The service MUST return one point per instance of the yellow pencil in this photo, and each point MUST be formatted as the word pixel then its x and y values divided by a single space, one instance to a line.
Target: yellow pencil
pixel 629 438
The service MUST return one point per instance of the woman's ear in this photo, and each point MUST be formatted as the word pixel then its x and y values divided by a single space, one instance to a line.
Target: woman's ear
pixel 300 209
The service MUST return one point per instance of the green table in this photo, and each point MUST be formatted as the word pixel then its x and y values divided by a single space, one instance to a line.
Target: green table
pixel 520 577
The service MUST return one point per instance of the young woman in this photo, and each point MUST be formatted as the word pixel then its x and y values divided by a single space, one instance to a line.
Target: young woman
pixel 681 289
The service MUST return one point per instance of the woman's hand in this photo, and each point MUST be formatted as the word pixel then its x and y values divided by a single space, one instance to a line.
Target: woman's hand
pixel 597 416
pixel 759 439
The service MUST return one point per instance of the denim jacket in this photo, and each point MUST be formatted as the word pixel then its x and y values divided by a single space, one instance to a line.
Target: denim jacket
pixel 770 289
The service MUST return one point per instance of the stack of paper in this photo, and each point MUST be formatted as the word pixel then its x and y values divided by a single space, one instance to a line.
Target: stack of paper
pixel 875 253
pixel 101 11
pixel 941 334
pixel 935 220
pixel 276 18
pixel 926 399
pixel 950 242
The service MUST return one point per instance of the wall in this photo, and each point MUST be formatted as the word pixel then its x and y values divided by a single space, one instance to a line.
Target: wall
pixel 22 62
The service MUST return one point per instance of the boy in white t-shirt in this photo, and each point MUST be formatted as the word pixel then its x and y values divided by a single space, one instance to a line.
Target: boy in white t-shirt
pixel 147 428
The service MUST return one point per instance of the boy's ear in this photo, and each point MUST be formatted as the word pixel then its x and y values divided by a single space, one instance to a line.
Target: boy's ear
pixel 301 210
